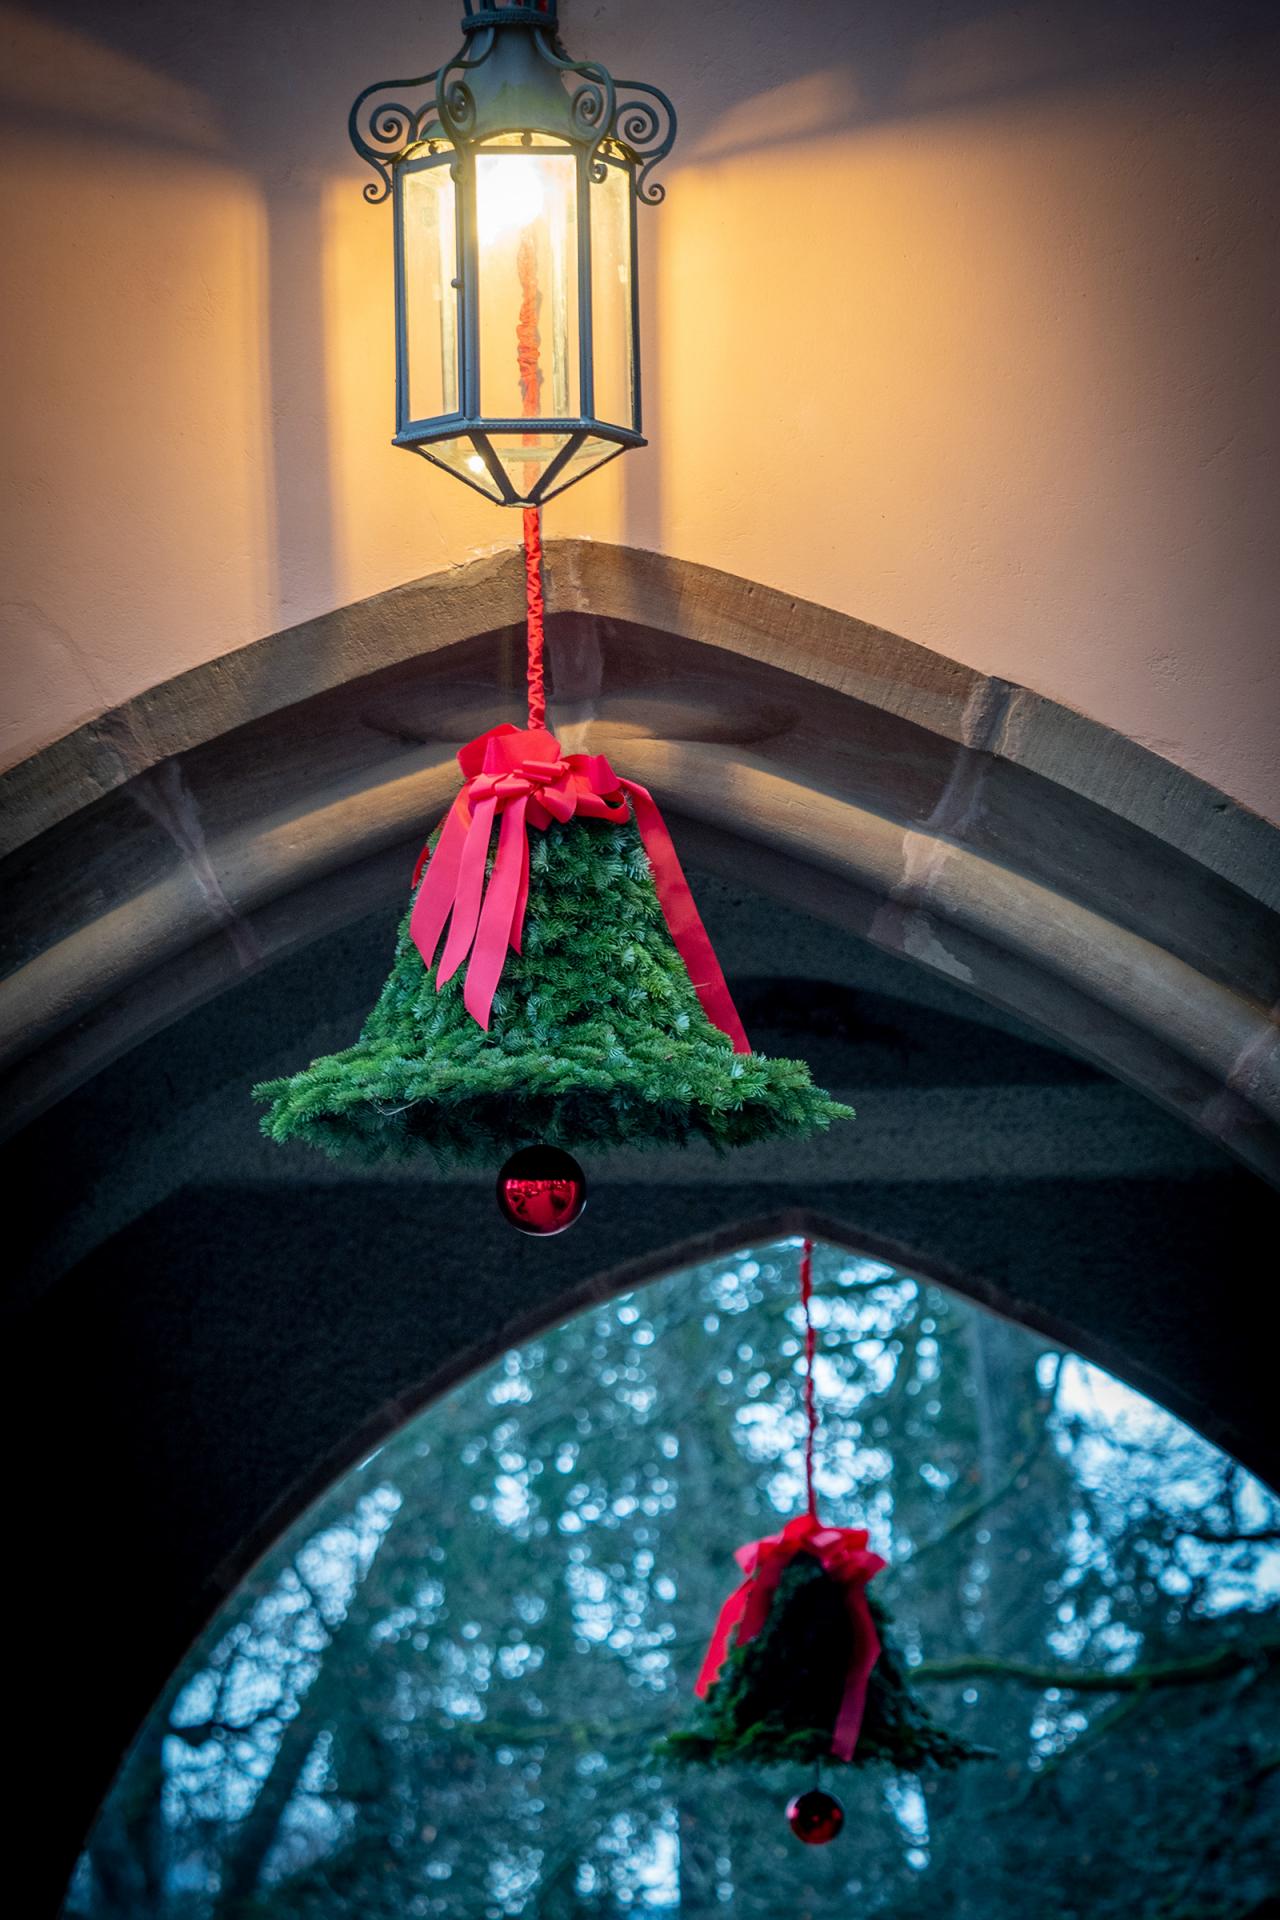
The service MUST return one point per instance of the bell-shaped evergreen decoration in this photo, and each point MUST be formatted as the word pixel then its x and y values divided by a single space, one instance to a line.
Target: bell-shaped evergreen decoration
pixel 812 1676
pixel 578 1023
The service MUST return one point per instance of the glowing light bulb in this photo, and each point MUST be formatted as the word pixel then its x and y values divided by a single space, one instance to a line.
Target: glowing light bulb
pixel 509 196
pixel 476 464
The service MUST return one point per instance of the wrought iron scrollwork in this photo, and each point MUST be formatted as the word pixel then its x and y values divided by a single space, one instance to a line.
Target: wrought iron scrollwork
pixel 455 102
pixel 645 124
pixel 390 127
pixel 593 104
pixel 647 127
pixel 631 113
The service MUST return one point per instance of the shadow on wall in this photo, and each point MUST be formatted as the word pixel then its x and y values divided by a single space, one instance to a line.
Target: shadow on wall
pixel 789 77
pixel 303 510
pixel 173 73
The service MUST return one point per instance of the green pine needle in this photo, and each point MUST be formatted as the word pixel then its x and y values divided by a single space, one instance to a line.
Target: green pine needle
pixel 777 1698
pixel 597 1039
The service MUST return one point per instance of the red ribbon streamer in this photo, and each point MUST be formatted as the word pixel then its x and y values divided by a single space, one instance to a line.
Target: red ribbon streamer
pixel 522 779
pixel 842 1552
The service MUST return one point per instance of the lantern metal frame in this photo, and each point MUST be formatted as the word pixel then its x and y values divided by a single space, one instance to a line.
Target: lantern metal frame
pixel 511 78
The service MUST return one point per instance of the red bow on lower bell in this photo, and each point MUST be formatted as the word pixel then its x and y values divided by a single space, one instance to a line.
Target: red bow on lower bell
pixel 843 1553
pixel 524 780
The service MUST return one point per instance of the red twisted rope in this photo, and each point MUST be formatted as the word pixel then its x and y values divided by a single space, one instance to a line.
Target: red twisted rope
pixel 534 612
pixel 810 1399
pixel 527 329
pixel 530 385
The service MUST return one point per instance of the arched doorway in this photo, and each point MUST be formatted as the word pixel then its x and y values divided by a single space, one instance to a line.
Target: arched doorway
pixel 441 1689
pixel 1039 961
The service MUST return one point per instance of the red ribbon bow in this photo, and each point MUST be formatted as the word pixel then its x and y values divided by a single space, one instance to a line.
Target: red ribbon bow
pixel 525 779
pixel 842 1551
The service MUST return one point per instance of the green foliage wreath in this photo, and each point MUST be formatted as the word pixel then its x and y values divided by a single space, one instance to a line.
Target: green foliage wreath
pixel 777 1698
pixel 597 1039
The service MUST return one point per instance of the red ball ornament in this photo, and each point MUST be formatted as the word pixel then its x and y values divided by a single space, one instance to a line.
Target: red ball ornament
pixel 815 1817
pixel 541 1190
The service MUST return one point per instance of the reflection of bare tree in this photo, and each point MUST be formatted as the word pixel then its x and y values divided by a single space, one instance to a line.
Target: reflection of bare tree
pixel 1254 1657
pixel 130 1841
pixel 318 1705
pixel 459 1719
pixel 252 1838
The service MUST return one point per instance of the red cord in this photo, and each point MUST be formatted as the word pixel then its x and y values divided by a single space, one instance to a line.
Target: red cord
pixel 530 385
pixel 527 329
pixel 810 1401
pixel 534 609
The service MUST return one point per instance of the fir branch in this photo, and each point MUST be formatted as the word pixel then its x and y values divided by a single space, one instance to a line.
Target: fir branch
pixel 1094 1733
pixel 1228 1537
pixel 1010 1484
pixel 777 1698
pixel 597 1037
pixel 1194 1671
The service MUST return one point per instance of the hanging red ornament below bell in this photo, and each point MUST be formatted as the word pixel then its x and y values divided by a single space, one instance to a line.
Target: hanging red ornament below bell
pixel 815 1817
pixel 541 1190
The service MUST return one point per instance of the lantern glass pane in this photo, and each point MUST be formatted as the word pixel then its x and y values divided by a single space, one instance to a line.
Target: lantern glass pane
pixel 461 456
pixel 612 345
pixel 592 453
pixel 526 456
pixel 430 300
pixel 527 246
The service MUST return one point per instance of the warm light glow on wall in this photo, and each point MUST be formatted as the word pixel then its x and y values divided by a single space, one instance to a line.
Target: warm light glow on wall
pixel 975 356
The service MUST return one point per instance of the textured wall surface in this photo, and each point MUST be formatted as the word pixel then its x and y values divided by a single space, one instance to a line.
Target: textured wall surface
pixel 958 318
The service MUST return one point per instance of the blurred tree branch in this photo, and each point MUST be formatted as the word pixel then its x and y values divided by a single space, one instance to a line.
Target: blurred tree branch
pixel 1228 1536
pixel 1168 1673
pixel 1010 1484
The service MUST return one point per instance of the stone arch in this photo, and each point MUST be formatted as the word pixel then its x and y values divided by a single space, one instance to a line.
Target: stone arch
pixel 209 1333
pixel 656 1262
pixel 1049 865
pixel 185 1543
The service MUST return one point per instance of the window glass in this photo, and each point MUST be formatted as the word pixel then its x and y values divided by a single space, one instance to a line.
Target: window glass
pixel 430 300
pixel 612 346
pixel 439 1693
pixel 527 234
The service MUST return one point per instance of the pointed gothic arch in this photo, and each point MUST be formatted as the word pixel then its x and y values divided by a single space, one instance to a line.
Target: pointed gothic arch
pixel 197 880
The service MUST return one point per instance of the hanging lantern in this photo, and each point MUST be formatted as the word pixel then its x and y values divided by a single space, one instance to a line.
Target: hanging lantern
pixel 515 185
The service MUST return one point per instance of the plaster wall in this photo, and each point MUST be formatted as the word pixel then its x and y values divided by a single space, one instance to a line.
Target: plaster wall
pixel 959 318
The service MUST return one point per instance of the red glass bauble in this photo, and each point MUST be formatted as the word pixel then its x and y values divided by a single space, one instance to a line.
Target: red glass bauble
pixel 815 1817
pixel 541 1190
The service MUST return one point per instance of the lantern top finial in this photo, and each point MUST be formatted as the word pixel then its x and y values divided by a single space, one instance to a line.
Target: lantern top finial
pixel 511 74
pixel 508 13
